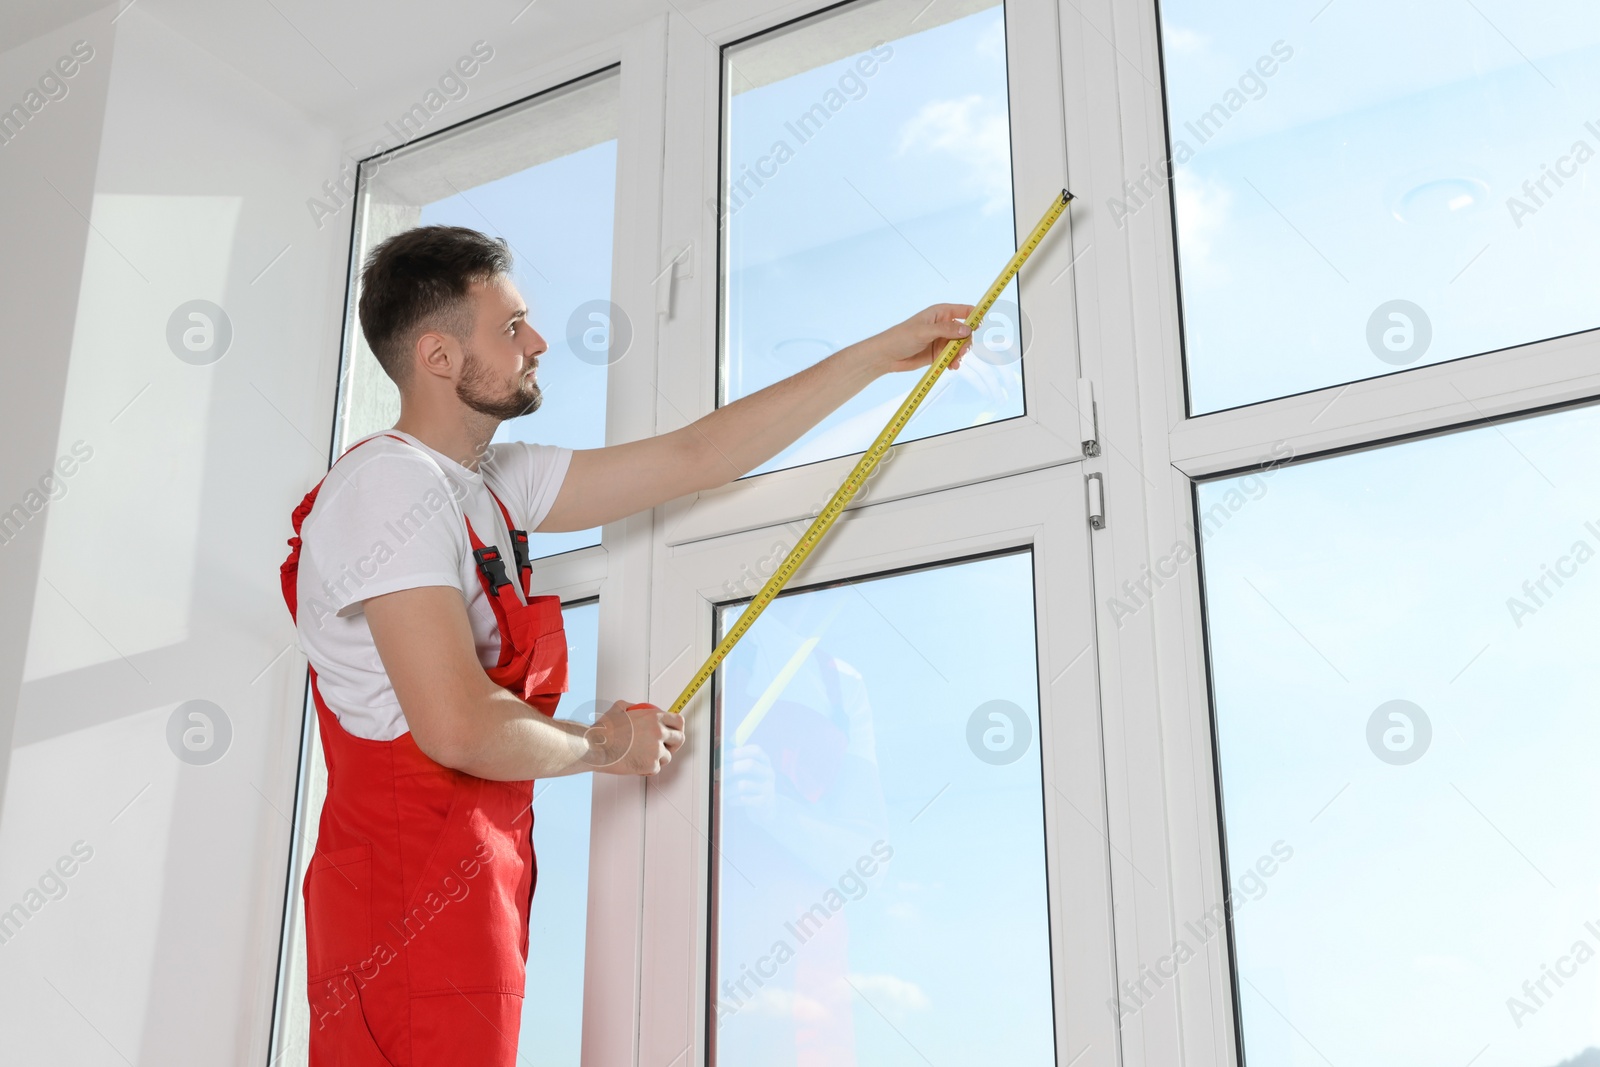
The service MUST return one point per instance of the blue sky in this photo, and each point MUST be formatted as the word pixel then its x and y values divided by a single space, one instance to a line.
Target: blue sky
pixel 1420 896
pixel 1376 164
pixel 901 200
pixel 950 941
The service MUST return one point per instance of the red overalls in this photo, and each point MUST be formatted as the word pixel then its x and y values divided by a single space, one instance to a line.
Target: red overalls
pixel 417 897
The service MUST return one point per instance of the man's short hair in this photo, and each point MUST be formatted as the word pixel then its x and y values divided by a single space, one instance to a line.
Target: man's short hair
pixel 418 280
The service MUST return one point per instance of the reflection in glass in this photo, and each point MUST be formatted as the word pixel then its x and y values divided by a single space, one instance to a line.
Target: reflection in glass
pixel 543 177
pixel 1363 187
pixel 879 873
pixel 867 175
pixel 552 1011
pixel 1404 670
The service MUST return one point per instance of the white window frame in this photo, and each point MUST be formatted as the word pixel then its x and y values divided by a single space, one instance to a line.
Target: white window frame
pixel 1160 759
pixel 1044 510
pixel 1046 434
pixel 1126 731
pixel 944 497
pixel 667 168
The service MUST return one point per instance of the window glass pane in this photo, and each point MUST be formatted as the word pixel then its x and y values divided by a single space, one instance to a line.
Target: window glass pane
pixel 1402 647
pixel 879 873
pixel 552 1011
pixel 542 176
pixel 867 175
pixel 1363 187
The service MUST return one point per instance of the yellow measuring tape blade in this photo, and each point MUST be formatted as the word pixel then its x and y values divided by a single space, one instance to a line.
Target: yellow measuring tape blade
pixel 859 475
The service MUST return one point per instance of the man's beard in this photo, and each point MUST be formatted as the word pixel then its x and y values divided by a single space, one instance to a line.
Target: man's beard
pixel 477 392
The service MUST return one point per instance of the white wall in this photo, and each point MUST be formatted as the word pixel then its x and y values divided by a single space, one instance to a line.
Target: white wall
pixel 179 167
pixel 152 580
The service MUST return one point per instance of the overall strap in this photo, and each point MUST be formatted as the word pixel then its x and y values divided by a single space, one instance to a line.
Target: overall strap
pixel 519 546
pixel 289 570
pixel 497 587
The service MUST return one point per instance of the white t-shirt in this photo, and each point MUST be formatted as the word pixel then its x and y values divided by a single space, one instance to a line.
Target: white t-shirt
pixel 389 517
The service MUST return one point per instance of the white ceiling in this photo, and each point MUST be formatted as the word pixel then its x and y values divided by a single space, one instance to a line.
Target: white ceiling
pixel 23 20
pixel 345 62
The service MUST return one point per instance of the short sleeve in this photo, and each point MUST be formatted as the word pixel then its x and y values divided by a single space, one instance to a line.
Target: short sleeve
pixel 533 472
pixel 386 523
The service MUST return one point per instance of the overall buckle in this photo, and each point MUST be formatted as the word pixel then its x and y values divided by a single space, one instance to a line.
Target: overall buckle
pixel 492 567
pixel 519 549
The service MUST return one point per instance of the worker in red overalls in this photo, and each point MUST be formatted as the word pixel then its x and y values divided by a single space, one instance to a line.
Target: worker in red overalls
pixel 435 673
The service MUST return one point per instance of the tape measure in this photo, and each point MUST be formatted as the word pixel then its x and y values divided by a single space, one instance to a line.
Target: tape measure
pixel 863 470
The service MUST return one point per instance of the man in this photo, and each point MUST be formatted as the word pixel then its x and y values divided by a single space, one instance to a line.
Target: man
pixel 436 676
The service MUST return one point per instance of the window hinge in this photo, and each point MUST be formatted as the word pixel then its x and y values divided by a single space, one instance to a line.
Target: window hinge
pixel 1097 501
pixel 1088 418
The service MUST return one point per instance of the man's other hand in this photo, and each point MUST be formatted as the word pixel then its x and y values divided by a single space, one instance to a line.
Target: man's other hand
pixel 633 739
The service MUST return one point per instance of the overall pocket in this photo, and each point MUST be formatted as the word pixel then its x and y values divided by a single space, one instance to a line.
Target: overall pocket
pixel 465 927
pixel 338 900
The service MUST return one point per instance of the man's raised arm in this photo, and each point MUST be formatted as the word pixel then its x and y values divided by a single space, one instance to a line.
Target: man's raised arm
pixel 606 484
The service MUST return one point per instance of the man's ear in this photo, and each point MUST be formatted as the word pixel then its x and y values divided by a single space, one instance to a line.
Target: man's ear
pixel 437 354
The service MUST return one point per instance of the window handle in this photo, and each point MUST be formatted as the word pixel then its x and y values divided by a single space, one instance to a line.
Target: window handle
pixel 679 266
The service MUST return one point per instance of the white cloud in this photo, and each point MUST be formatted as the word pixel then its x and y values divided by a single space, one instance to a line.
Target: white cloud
pixel 974 133
pixel 1180 41
pixel 884 989
pixel 1203 209
pixel 782 1004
